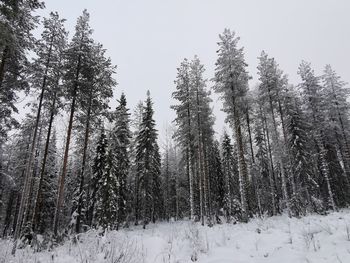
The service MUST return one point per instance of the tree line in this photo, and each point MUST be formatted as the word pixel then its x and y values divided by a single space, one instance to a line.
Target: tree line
pixel 289 151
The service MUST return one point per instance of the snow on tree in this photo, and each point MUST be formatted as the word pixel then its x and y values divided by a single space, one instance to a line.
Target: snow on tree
pixel 119 144
pixel 148 162
pixel 231 82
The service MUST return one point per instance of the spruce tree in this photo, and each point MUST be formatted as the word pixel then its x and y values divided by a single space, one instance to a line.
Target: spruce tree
pixel 148 161
pixel 107 183
pixel 46 206
pixel 119 144
pixel 184 123
pixel 230 173
pixel 217 180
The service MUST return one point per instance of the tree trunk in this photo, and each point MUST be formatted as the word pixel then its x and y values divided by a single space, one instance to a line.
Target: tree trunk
pixel 227 169
pixel 325 171
pixel 9 207
pixel 29 208
pixel 38 199
pixel 28 174
pixel 177 216
pixel 189 159
pixel 279 157
pixel 201 166
pixel 243 172
pixel 81 186
pixel 166 192
pixel 66 152
pixel 250 135
pixel 2 65
pixel 295 183
pixel 253 165
pixel 271 167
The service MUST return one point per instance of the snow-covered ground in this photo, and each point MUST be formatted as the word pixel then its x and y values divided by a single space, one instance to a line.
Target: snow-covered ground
pixel 278 239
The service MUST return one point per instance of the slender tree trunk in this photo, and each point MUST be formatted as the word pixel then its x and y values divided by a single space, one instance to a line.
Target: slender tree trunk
pixel 189 159
pixel 177 216
pixel 201 166
pixel 28 174
pixel 137 198
pixel 81 186
pixel 2 65
pixel 227 170
pixel 286 149
pixel 243 172
pixel 271 168
pixel 66 152
pixel 166 192
pixel 325 171
pixel 250 135
pixel 253 165
pixel 345 165
pixel 33 182
pixel 18 203
pixel 279 157
pixel 9 208
pixel 38 199
pixel 208 187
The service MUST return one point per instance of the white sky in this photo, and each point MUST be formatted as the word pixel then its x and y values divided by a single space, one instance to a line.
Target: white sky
pixel 147 40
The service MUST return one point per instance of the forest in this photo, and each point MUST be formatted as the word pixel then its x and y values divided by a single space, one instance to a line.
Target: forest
pixel 287 150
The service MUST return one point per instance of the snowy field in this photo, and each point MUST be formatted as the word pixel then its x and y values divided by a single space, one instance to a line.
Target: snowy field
pixel 278 239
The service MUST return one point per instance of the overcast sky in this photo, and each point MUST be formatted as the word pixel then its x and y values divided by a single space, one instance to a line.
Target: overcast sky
pixel 147 40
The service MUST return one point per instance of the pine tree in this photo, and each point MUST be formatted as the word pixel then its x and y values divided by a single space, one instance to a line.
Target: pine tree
pixel 45 69
pixel 46 74
pixel 337 106
pixel 203 135
pixel 313 103
pixel 16 25
pixel 270 78
pixel 300 148
pixel 93 105
pixel 76 61
pixel 231 82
